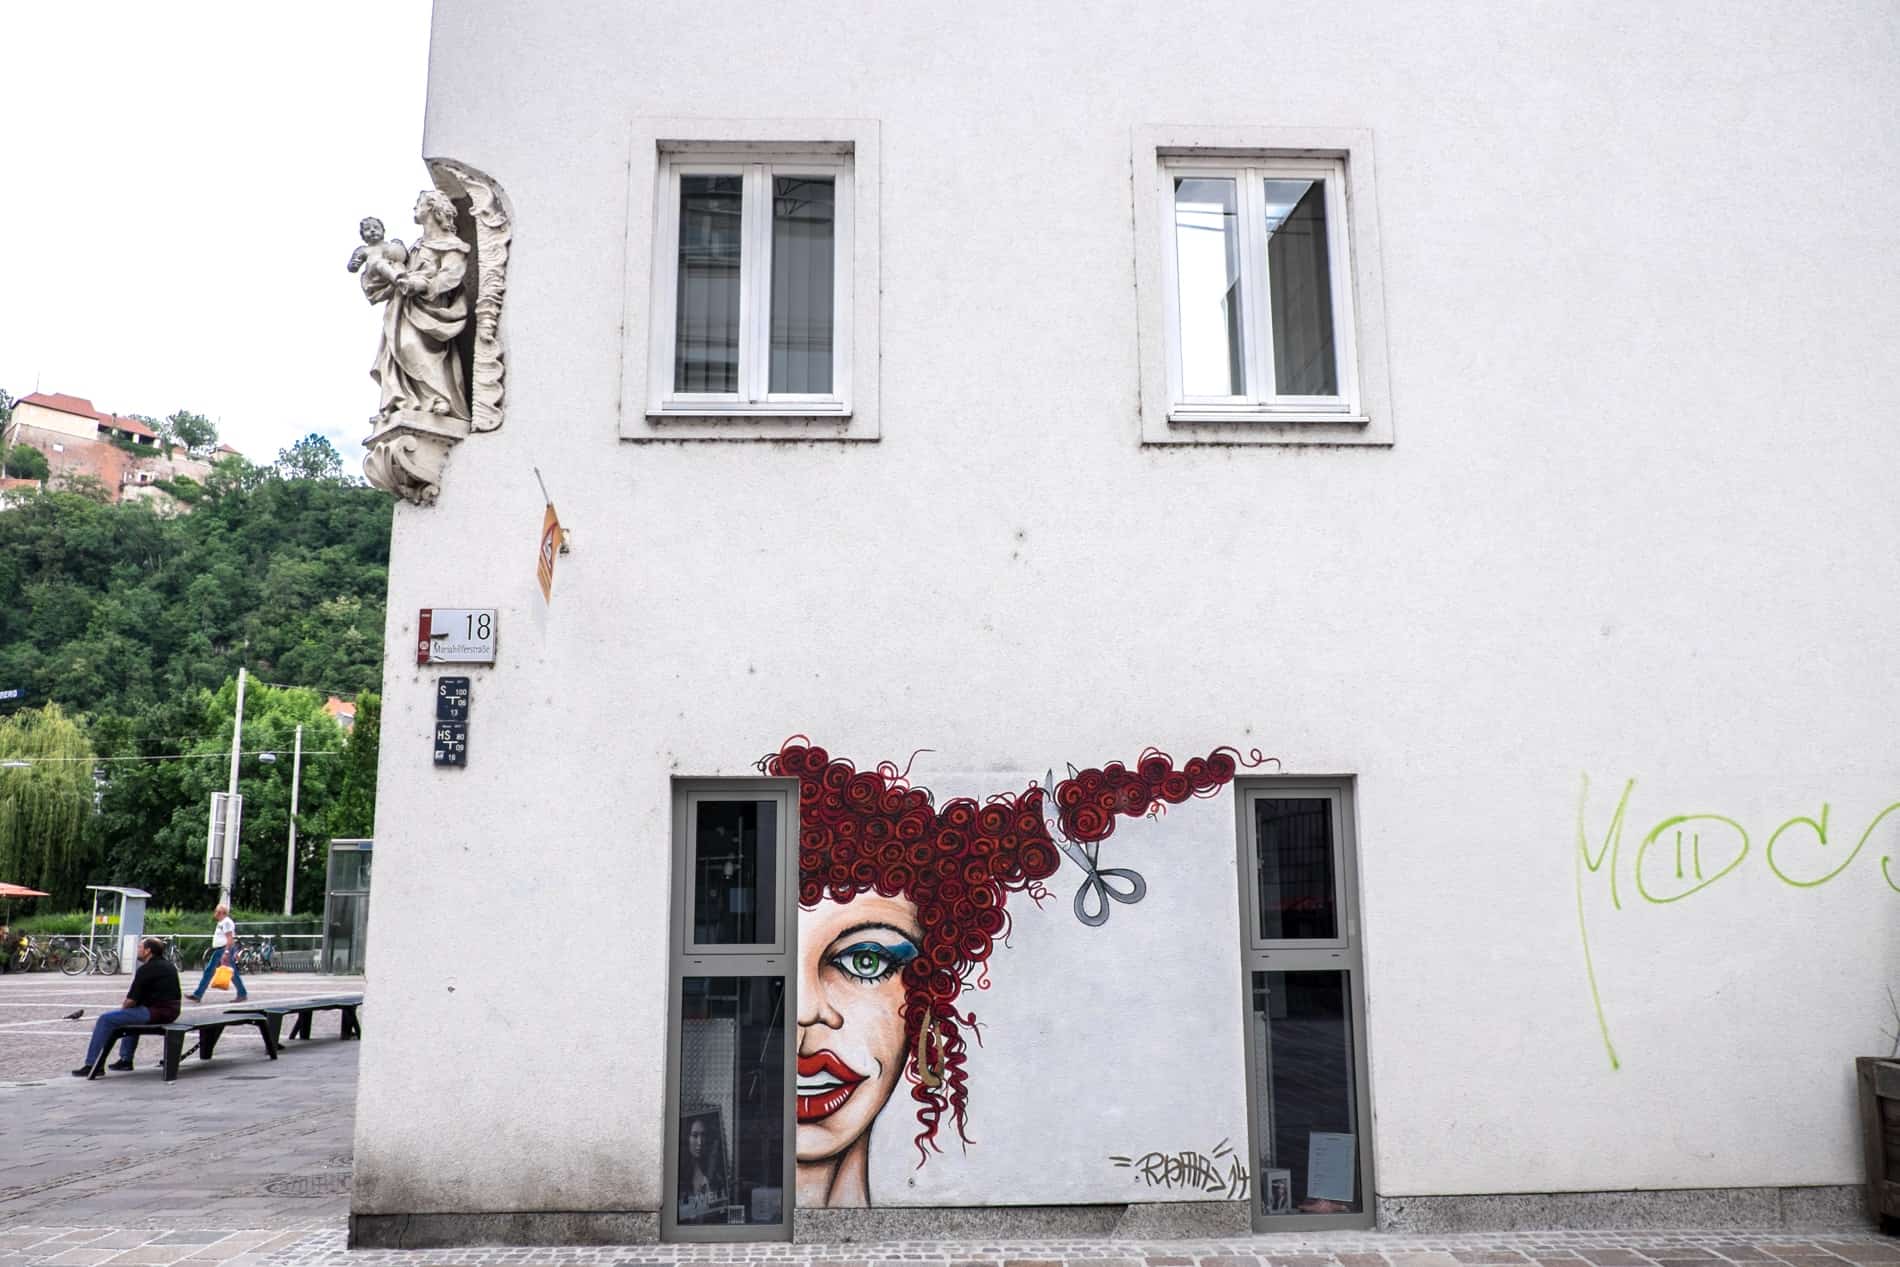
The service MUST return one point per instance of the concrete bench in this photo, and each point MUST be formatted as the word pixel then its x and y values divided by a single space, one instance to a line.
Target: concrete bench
pixel 208 1029
pixel 305 1011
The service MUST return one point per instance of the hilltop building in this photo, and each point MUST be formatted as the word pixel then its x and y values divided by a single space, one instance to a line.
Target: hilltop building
pixel 122 453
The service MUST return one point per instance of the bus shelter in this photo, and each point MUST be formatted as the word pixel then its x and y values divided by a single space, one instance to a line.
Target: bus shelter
pixel 120 925
pixel 346 906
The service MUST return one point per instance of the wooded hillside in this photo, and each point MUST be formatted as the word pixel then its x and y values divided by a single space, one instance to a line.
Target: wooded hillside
pixel 123 629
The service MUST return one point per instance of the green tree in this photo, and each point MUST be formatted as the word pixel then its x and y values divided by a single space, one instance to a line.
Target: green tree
pixel 311 458
pixel 173 864
pixel 25 462
pixel 46 801
pixel 352 813
pixel 197 433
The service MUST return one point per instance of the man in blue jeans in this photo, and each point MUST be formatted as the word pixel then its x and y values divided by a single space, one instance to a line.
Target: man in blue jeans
pixel 224 943
pixel 152 1000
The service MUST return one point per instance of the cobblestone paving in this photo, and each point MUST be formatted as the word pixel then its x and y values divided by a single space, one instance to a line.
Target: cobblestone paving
pixel 97 1247
pixel 238 1142
pixel 37 1042
pixel 245 1162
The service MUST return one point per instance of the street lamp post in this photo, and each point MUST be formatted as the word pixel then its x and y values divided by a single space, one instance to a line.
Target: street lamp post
pixel 231 820
pixel 290 852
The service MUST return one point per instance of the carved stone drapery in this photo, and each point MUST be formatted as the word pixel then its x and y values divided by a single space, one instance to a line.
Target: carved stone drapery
pixel 410 447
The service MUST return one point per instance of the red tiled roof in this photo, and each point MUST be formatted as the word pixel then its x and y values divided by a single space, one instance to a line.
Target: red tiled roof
pixel 123 423
pixel 63 403
pixel 81 407
pixel 7 482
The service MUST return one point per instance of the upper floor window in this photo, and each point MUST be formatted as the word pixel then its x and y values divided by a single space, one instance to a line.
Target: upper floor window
pixel 1261 288
pixel 752 286
pixel 1257 266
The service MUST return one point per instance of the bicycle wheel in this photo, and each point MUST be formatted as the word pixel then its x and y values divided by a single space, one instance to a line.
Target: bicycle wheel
pixel 108 962
pixel 72 961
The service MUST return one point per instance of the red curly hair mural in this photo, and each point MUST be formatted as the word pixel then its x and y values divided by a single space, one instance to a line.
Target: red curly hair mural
pixel 933 883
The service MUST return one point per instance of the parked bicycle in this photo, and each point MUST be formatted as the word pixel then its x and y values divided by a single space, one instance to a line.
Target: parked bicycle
pixel 253 956
pixel 257 956
pixel 98 960
pixel 26 956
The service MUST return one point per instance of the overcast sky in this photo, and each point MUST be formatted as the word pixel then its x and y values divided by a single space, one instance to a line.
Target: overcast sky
pixel 182 187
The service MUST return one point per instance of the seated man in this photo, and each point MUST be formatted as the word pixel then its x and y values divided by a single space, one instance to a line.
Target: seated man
pixel 152 1000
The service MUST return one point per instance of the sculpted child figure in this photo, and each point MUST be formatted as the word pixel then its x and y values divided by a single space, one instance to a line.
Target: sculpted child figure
pixel 418 367
pixel 380 259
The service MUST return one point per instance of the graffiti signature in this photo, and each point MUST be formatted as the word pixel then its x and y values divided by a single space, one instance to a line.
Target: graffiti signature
pixel 1673 862
pixel 1220 1172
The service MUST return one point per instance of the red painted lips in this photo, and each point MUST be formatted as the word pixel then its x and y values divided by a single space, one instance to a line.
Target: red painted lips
pixel 824 1084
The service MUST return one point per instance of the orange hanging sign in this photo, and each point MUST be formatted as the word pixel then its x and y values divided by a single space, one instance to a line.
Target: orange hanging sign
pixel 550 546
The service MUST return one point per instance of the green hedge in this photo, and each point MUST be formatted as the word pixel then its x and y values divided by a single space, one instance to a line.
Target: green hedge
pixel 167 923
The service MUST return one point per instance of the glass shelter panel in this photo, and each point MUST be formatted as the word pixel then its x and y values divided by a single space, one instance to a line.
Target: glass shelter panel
pixel 1305 1097
pixel 1299 899
pixel 349 869
pixel 1207 267
pixel 731 1105
pixel 735 895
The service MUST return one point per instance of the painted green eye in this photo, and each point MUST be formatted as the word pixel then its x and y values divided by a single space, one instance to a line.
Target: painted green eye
pixel 871 962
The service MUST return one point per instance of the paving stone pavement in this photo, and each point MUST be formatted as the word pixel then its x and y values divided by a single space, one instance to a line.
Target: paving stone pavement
pixel 324 1247
pixel 37 1042
pixel 241 1153
pixel 245 1162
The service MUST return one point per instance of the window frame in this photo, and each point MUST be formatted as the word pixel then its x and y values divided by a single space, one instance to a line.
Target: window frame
pixel 1256 302
pixel 1344 954
pixel 688 797
pixel 1346 916
pixel 1361 414
pixel 649 297
pixel 687 959
pixel 754 396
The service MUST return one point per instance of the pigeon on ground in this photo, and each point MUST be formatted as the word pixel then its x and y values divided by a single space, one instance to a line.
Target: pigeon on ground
pixel 76 1015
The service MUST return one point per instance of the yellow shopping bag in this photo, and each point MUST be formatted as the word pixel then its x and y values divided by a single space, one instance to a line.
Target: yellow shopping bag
pixel 221 979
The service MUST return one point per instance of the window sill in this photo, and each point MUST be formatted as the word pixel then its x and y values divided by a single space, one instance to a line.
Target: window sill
pixel 727 410
pixel 1193 414
pixel 1188 425
pixel 731 422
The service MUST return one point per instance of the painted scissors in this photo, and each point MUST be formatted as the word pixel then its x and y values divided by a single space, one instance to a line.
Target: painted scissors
pixel 1101 882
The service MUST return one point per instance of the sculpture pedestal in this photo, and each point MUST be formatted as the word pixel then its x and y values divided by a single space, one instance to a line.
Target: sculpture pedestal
pixel 406 453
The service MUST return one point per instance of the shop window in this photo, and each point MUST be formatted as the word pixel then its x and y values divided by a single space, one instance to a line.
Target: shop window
pixel 1309 1120
pixel 729 1104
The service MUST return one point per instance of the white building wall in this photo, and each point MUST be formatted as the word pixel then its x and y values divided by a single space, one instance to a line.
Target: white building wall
pixel 1641 279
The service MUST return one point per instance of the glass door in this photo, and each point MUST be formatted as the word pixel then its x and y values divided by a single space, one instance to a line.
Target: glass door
pixel 1308 1114
pixel 729 1105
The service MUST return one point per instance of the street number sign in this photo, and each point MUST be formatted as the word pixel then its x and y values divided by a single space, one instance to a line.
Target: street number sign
pixel 455 635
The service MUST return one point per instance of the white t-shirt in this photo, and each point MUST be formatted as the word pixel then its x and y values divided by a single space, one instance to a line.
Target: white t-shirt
pixel 221 937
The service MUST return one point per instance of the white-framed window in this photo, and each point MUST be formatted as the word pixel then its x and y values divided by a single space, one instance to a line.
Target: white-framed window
pixel 1259 286
pixel 753 284
pixel 1258 271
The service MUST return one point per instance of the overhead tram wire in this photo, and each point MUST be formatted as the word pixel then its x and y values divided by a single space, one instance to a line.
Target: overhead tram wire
pixel 175 756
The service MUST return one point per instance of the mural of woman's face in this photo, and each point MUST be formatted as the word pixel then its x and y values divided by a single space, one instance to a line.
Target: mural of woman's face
pixel 850 1016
